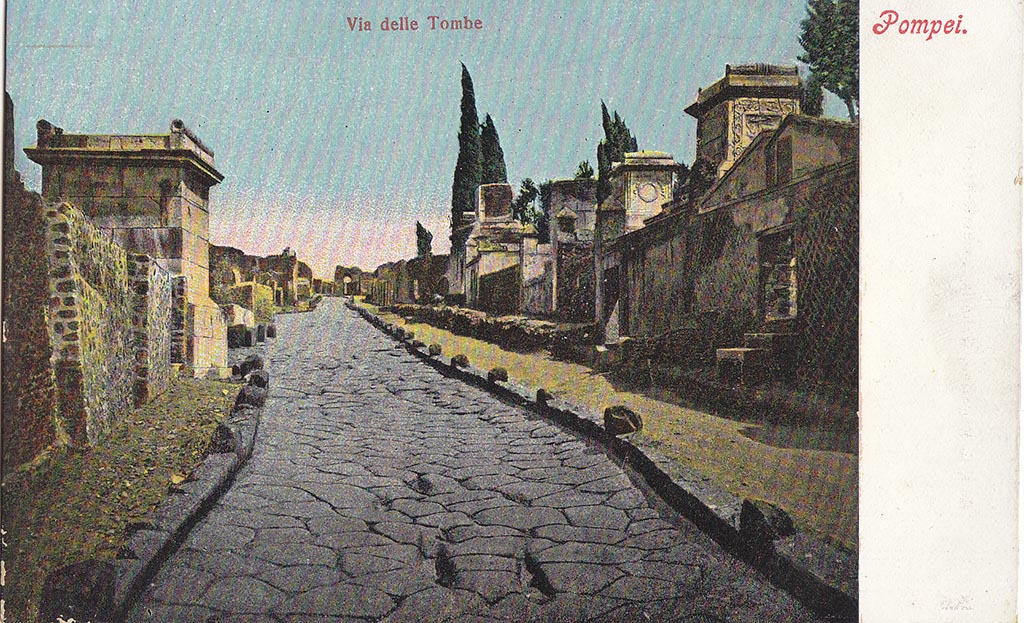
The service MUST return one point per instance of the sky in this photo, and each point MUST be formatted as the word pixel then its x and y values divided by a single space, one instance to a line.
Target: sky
pixel 334 142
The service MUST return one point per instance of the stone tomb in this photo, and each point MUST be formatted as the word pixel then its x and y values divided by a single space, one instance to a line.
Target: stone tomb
pixel 151 193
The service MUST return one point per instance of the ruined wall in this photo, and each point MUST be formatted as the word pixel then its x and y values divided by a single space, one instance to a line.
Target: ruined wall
pixel 827 248
pixel 151 289
pixel 109 318
pixel 499 291
pixel 253 296
pixel 575 285
pixel 655 291
pixel 29 390
pixel 538 273
pixel 421 278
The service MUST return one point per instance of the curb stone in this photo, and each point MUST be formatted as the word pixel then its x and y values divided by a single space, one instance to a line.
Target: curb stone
pixel 820 575
pixel 154 539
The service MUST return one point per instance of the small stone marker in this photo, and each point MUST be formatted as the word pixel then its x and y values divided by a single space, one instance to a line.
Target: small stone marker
pixel 223 440
pixel 543 396
pixel 271 330
pixel 497 374
pixel 621 420
pixel 434 350
pixel 763 521
pixel 460 361
pixel 259 378
pixel 251 395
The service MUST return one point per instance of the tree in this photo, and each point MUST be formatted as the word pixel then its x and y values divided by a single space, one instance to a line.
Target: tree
pixel 584 171
pixel 467 167
pixel 492 163
pixel 701 177
pixel 681 182
pixel 423 240
pixel 543 223
pixel 811 96
pixel 831 43
pixel 617 141
pixel 524 208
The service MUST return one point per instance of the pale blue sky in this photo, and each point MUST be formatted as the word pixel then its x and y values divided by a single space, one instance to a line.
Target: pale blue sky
pixel 335 142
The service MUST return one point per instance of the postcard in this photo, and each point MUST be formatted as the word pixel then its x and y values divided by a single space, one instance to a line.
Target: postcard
pixel 525 311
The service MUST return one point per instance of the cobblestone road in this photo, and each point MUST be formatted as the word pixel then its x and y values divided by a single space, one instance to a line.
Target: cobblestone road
pixel 380 490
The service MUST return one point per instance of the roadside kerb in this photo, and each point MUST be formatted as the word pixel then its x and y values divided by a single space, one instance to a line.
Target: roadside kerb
pixel 159 536
pixel 818 574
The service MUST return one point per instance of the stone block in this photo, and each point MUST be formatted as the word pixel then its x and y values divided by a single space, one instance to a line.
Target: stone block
pixel 259 378
pixel 764 522
pixel 495 375
pixel 223 440
pixel 434 350
pixel 83 591
pixel 250 363
pixel 251 395
pixel 261 332
pixel 460 361
pixel 621 420
pixel 748 366
pixel 271 330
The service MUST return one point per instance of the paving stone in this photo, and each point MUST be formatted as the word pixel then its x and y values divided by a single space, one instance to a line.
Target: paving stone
pixel 294 554
pixel 242 595
pixel 340 600
pixel 435 604
pixel 300 577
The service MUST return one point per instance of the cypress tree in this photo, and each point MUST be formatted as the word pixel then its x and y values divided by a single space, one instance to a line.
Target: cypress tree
pixel 492 166
pixel 423 240
pixel 616 142
pixel 467 168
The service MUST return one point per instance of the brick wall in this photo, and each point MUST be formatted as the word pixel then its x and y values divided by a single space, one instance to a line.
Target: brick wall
pixel 110 313
pixel 91 331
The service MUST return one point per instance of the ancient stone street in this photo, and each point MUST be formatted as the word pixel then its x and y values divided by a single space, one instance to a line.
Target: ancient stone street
pixel 381 490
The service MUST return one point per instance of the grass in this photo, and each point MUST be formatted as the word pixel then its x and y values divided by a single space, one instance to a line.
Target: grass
pixel 76 504
pixel 816 486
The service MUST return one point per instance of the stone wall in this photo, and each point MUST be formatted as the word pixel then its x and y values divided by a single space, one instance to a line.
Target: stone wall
pixel 655 292
pixel 827 240
pixel 151 287
pixel 575 285
pixel 538 266
pixel 108 330
pixel 499 291
pixel 253 296
pixel 29 389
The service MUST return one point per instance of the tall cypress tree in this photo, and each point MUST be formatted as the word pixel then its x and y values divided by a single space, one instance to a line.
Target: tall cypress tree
pixel 492 165
pixel 616 142
pixel 467 168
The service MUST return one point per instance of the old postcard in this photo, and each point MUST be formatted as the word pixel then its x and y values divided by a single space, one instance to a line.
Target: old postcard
pixel 525 311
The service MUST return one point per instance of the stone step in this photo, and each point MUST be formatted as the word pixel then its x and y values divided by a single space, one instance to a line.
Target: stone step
pixel 748 366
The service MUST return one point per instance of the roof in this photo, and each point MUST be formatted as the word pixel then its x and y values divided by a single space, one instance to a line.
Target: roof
pixel 758 80
pixel 179 147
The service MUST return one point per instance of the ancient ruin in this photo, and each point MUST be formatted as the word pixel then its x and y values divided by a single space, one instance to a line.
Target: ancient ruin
pixel 151 194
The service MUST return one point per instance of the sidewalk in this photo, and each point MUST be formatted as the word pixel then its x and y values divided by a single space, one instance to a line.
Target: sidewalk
pixel 817 488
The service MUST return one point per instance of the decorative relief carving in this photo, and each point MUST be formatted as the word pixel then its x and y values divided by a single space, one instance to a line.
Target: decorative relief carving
pixel 751 116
